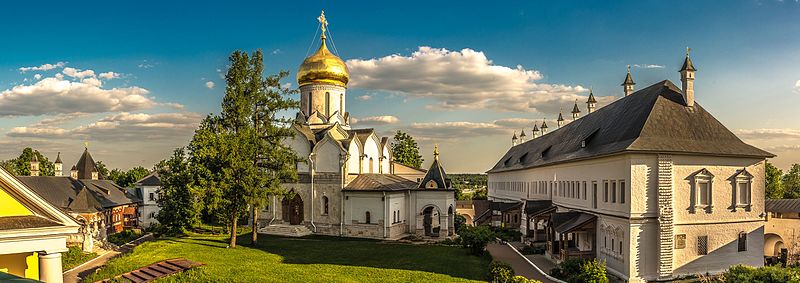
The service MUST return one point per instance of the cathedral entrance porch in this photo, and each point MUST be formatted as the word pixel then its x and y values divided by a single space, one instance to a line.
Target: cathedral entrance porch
pixel 292 208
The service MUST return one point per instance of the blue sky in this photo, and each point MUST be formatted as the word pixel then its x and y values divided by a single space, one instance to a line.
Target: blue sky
pixel 160 57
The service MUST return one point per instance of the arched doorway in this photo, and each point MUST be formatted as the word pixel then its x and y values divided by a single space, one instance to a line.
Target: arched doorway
pixel 292 209
pixel 430 221
pixel 773 244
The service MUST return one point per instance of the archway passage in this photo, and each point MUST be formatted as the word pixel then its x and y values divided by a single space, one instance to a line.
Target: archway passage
pixel 773 244
pixel 430 221
pixel 292 210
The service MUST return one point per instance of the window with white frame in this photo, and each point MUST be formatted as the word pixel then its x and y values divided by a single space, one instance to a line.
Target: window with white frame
pixel 741 188
pixel 703 190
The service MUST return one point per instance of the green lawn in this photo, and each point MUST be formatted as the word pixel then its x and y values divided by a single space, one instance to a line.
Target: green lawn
pixel 310 259
pixel 74 257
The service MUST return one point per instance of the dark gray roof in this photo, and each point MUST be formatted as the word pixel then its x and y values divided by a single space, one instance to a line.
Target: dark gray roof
pixel 437 174
pixel 487 207
pixel 628 79
pixel 653 119
pixel 782 205
pixel 536 207
pixel 86 166
pixel 79 196
pixel 150 180
pixel 687 64
pixel 380 182
pixel 564 222
pixel 25 222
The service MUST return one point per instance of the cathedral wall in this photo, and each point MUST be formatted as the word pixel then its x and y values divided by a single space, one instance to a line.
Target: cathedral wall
pixel 357 205
pixel 385 167
pixel 371 152
pixel 353 163
pixel 301 147
pixel 325 99
pixel 327 155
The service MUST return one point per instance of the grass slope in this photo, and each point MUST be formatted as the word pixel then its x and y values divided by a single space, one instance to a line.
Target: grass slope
pixel 74 257
pixel 310 259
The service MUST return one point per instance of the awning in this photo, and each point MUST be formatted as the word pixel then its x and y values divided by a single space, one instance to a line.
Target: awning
pixel 535 208
pixel 565 222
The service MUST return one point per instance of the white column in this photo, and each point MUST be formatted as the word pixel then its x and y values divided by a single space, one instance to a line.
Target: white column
pixel 50 268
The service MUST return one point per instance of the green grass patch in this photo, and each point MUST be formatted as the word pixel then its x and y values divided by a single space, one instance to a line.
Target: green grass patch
pixel 74 257
pixel 309 259
pixel 124 237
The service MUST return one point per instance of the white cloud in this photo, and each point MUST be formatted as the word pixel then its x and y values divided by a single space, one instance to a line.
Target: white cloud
pixel 145 64
pixel 648 66
pixel 118 127
pixel 767 134
pixel 797 86
pixel 109 75
pixel 45 67
pixel 276 51
pixel 56 95
pixel 450 130
pixel 375 120
pixel 210 84
pixel 37 76
pixel 464 79
pixel 76 73
pixel 364 97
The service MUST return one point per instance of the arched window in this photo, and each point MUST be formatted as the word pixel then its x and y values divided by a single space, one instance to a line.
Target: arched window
pixel 366 218
pixel 370 165
pixel 324 205
pixel 310 103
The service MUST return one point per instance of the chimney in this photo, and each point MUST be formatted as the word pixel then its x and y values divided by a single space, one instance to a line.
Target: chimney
pixel 73 173
pixel 34 165
pixel 591 103
pixel 576 113
pixel 687 78
pixel 59 169
pixel 627 85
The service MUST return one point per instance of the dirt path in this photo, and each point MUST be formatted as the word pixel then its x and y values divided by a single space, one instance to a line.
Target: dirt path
pixel 505 254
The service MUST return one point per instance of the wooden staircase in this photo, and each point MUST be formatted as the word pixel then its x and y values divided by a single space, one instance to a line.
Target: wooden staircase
pixel 155 271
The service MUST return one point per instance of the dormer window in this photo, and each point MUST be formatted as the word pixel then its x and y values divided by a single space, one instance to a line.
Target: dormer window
pixel 702 195
pixel 742 182
pixel 431 184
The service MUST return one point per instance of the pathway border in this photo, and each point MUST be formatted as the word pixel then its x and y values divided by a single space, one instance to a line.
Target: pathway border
pixel 534 265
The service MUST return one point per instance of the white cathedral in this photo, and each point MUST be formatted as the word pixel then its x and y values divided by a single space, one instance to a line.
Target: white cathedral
pixel 348 184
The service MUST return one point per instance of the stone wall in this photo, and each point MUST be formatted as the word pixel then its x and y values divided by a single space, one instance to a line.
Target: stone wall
pixel 374 231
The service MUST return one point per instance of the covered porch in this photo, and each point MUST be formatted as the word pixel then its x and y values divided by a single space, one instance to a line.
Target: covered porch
pixel 571 235
pixel 537 214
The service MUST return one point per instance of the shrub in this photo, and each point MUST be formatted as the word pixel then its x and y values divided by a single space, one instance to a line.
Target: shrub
pixel 767 274
pixel 500 272
pixel 576 270
pixel 451 242
pixel 508 235
pixel 124 237
pixel 522 279
pixel 533 250
pixel 459 221
pixel 475 238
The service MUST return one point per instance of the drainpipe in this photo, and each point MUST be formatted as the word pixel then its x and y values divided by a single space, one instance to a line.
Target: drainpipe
pixel 273 211
pixel 385 210
pixel 311 161
pixel 344 177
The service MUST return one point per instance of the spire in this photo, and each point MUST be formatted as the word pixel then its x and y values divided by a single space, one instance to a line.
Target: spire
pixel 86 166
pixel 436 152
pixel 544 127
pixel 627 85
pixel 58 158
pixel 591 103
pixel 58 166
pixel 323 23
pixel 514 139
pixel 522 136
pixel 535 130
pixel 687 79
pixel 560 120
pixel 435 178
pixel 575 111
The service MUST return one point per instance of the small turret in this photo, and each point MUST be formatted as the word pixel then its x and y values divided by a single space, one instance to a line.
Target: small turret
pixel 73 173
pixel 591 103
pixel 58 166
pixel 560 120
pixel 535 130
pixel 687 78
pixel 514 139
pixel 544 127
pixel 627 85
pixel 576 113
pixel 34 165
pixel 522 136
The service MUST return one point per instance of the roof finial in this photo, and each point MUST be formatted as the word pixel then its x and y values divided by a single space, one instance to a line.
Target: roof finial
pixel 86 144
pixel 323 23
pixel 688 50
pixel 629 69
pixel 436 152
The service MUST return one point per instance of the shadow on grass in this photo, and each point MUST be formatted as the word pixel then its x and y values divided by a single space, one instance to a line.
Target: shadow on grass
pixel 315 249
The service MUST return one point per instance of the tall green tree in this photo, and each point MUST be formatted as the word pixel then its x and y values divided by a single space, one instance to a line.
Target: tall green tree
pixel 21 166
pixel 238 156
pixel 791 182
pixel 176 202
pixel 102 169
pixel 126 179
pixel 774 181
pixel 405 150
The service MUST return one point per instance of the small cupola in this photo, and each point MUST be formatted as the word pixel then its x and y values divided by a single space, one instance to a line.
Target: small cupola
pixel 535 130
pixel 544 127
pixel 627 85
pixel 687 79
pixel 522 136
pixel 560 120
pixel 514 139
pixel 591 103
pixel 34 167
pixel 576 113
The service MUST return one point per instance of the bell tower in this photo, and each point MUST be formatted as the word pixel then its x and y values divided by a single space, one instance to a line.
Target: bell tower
pixel 323 78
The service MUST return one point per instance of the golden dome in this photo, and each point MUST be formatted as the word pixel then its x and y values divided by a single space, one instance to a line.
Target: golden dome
pixel 323 67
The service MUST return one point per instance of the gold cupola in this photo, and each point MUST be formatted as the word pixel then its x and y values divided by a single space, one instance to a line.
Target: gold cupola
pixel 323 67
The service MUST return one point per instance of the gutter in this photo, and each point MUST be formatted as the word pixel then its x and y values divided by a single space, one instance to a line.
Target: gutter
pixel 311 161
pixel 344 176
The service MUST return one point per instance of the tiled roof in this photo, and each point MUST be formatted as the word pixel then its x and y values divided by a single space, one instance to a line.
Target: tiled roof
pixel 782 205
pixel 86 166
pixel 79 195
pixel 564 222
pixel 437 174
pixel 653 119
pixel 150 180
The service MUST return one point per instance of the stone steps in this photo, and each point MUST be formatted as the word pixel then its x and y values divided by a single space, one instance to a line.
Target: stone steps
pixel 285 230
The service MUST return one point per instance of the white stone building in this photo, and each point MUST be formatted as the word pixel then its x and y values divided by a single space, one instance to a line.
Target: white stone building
pixel 347 185
pixel 147 189
pixel 652 183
